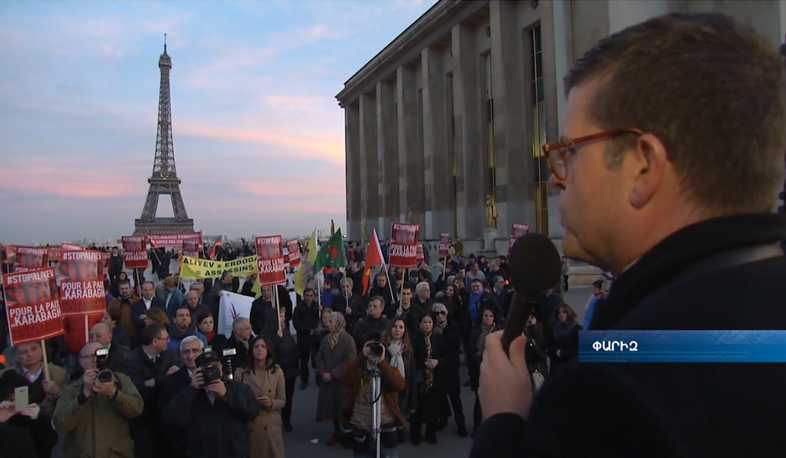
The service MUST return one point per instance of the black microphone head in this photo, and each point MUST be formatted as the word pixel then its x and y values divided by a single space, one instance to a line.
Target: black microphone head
pixel 535 264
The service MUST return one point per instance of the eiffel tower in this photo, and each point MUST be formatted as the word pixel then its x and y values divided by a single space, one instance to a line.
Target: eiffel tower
pixel 164 179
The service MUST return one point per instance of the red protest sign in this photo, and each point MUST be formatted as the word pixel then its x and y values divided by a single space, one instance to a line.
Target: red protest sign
pixel 81 286
pixel 516 231
pixel 71 247
pixel 191 248
pixel 173 239
pixel 270 260
pixel 444 243
pixel 403 245
pixel 419 257
pixel 105 257
pixel 293 253
pixel 134 252
pixel 32 306
pixel 26 258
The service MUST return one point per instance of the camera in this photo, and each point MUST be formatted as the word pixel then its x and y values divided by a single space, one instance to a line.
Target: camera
pixel 209 370
pixel 374 345
pixel 102 365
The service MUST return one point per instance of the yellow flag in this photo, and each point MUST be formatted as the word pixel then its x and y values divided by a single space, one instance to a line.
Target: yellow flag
pixel 306 269
pixel 256 289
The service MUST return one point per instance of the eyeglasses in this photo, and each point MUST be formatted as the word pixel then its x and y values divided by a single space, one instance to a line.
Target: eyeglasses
pixel 87 357
pixel 441 313
pixel 556 152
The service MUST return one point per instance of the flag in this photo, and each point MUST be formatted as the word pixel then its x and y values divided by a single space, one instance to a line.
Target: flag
pixel 332 253
pixel 365 280
pixel 306 270
pixel 256 289
pixel 211 250
pixel 374 251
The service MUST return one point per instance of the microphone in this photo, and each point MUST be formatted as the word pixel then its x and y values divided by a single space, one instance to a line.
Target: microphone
pixel 535 267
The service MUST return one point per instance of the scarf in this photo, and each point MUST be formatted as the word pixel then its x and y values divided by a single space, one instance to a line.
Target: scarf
pixel 474 298
pixel 484 331
pixel 396 359
pixel 429 377
pixel 177 334
pixel 440 326
pixel 341 323
pixel 209 335
pixel 561 329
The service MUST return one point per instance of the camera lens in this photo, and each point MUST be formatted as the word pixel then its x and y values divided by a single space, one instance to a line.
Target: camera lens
pixel 104 376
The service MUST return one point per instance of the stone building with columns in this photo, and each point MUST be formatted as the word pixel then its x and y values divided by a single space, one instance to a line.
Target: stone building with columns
pixel 445 124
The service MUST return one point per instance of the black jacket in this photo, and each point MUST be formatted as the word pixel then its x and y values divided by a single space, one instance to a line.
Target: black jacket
pixel 117 354
pixel 138 308
pixel 306 321
pixel 139 368
pixel 661 409
pixel 242 356
pixel 217 430
pixel 286 351
pixel 366 325
pixel 258 314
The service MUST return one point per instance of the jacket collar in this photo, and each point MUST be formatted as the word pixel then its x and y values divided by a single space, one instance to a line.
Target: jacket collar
pixel 669 258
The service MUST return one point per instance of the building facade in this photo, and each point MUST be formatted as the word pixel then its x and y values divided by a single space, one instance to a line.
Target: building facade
pixel 444 126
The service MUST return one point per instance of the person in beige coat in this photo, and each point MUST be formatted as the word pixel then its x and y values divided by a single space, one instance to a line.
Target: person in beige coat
pixel 266 380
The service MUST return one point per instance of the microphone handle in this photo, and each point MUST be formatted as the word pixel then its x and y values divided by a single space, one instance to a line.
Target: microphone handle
pixel 520 309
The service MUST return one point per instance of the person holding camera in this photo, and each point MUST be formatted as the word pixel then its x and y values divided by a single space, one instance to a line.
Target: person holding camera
pixel 266 379
pixel 358 406
pixel 94 410
pixel 213 413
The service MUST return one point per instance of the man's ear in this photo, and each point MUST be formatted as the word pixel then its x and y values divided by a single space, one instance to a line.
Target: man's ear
pixel 648 164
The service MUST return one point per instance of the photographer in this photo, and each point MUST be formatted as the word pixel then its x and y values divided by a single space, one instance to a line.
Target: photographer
pixel 357 408
pixel 214 414
pixel 684 224
pixel 94 410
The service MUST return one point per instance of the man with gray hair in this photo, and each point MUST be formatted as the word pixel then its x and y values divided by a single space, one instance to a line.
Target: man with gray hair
pixel 423 297
pixel 101 332
pixel 190 348
pixel 241 335
pixel 349 304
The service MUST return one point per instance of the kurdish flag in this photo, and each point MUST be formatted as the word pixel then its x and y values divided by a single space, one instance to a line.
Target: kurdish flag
pixel 332 253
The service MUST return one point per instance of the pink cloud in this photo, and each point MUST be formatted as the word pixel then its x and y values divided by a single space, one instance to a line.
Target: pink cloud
pixel 290 187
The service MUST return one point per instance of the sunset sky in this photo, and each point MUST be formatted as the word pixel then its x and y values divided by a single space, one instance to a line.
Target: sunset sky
pixel 258 134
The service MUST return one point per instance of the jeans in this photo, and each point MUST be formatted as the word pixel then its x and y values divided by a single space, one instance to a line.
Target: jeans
pixel 286 412
pixel 383 452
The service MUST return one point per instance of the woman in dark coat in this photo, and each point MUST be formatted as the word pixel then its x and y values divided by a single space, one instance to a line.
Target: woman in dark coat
pixel 431 360
pixel 450 332
pixel 286 356
pixel 564 343
pixel 338 348
pixel 477 343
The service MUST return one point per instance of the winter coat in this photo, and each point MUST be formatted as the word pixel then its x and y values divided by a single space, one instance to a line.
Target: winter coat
pixel 332 360
pixel 97 423
pixel 265 430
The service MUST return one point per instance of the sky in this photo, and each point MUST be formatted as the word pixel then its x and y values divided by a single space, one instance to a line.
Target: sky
pixel 258 133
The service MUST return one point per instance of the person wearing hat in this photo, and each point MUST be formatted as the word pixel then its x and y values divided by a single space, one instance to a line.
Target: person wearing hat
pixel 94 415
pixel 27 422
pixel 173 297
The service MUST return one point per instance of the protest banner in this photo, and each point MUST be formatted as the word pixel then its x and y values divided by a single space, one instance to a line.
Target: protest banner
pixel 173 239
pixel 134 252
pixel 71 247
pixel 293 253
pixel 53 253
pixel 26 258
pixel 420 258
pixel 270 260
pixel 191 248
pixel 32 306
pixel 516 231
pixel 81 286
pixel 231 306
pixel 195 268
pixel 105 257
pixel 403 245
pixel 444 243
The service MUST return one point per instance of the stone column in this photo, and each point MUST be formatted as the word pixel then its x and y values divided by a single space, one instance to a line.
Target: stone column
pixel 352 140
pixel 387 157
pixel 410 174
pixel 468 145
pixel 369 163
pixel 439 211
pixel 563 51
pixel 512 145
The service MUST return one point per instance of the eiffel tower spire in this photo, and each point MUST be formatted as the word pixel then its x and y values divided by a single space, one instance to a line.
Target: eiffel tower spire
pixel 164 179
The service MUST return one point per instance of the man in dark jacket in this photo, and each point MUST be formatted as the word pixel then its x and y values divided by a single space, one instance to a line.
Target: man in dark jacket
pixel 147 366
pixel 190 349
pixel 101 332
pixel 382 289
pixel 306 321
pixel 214 417
pixel 684 225
pixel 374 322
pixel 259 309
pixel 139 308
pixel 115 265
pixel 286 352
pixel 349 304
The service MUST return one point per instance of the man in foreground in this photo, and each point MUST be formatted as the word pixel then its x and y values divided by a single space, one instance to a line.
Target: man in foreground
pixel 668 188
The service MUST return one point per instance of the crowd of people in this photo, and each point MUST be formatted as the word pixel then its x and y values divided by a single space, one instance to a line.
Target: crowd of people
pixel 169 366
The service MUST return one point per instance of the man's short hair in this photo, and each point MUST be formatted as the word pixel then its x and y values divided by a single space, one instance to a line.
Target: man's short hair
pixel 377 298
pixel 238 322
pixel 115 313
pixel 105 325
pixel 717 102
pixel 419 287
pixel 406 286
pixel 148 282
pixel 478 281
pixel 347 280
pixel 124 283
pixel 151 332
pixel 191 339
pixel 224 274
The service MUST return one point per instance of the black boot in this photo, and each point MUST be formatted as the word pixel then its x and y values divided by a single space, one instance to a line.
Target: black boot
pixel 414 434
pixel 462 430
pixel 443 422
pixel 431 434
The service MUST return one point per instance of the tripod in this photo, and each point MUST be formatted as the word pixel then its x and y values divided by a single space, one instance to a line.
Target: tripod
pixel 376 410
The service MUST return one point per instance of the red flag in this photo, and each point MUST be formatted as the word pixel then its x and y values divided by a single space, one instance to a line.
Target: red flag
pixel 364 281
pixel 211 250
pixel 374 251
